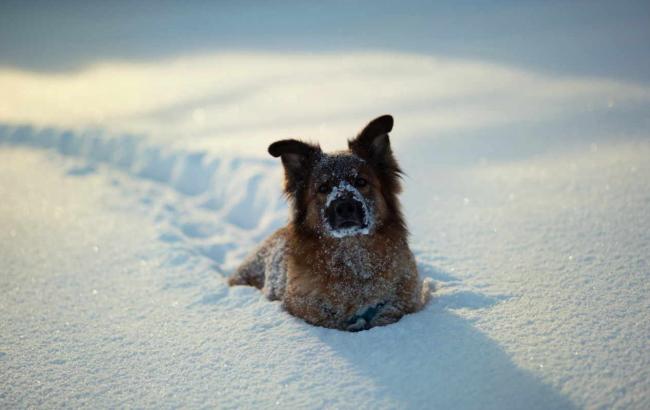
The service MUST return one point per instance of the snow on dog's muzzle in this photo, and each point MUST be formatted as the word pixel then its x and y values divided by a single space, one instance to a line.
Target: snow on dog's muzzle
pixel 346 212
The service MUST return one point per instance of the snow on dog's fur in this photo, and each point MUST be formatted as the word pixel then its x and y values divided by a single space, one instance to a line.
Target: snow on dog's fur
pixel 343 261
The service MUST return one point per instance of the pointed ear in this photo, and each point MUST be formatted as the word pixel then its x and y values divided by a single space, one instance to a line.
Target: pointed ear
pixel 373 144
pixel 298 158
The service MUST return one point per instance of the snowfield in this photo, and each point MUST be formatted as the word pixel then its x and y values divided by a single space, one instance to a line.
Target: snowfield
pixel 528 199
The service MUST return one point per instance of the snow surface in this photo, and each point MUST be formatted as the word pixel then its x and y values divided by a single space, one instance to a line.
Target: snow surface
pixel 527 196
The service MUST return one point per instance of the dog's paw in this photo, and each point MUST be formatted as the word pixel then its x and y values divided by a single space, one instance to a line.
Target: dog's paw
pixel 362 319
pixel 356 324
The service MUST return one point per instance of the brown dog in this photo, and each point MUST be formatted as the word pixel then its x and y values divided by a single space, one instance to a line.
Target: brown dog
pixel 343 261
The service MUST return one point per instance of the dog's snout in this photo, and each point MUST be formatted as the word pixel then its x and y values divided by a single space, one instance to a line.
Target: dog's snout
pixel 347 208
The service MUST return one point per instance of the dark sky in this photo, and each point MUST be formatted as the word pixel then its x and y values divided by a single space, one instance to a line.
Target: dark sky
pixel 594 38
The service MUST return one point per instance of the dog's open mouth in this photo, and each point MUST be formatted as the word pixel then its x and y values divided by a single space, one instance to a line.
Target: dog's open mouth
pixel 346 216
pixel 346 212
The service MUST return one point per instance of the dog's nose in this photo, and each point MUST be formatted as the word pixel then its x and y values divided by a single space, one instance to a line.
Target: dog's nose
pixel 347 208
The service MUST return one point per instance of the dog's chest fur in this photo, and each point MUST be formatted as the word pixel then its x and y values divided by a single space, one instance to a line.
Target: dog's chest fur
pixel 327 281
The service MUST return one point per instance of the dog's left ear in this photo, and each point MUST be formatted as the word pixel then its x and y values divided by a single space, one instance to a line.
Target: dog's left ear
pixel 373 145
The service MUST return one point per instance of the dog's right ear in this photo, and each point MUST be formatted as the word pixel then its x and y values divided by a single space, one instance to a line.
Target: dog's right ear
pixel 297 158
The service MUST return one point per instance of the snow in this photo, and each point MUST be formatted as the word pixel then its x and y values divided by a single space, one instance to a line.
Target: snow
pixel 113 285
pixel 131 189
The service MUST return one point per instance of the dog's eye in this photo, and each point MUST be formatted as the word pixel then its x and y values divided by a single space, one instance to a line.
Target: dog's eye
pixel 324 188
pixel 360 182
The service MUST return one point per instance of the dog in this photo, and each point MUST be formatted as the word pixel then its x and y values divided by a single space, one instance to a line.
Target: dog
pixel 343 261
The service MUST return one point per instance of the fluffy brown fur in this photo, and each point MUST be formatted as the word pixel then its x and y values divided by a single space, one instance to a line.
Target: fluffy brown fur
pixel 366 277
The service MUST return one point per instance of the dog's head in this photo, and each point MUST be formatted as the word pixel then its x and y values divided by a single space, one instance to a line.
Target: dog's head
pixel 352 192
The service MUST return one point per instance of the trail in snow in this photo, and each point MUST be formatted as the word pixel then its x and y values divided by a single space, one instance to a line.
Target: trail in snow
pixel 226 197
